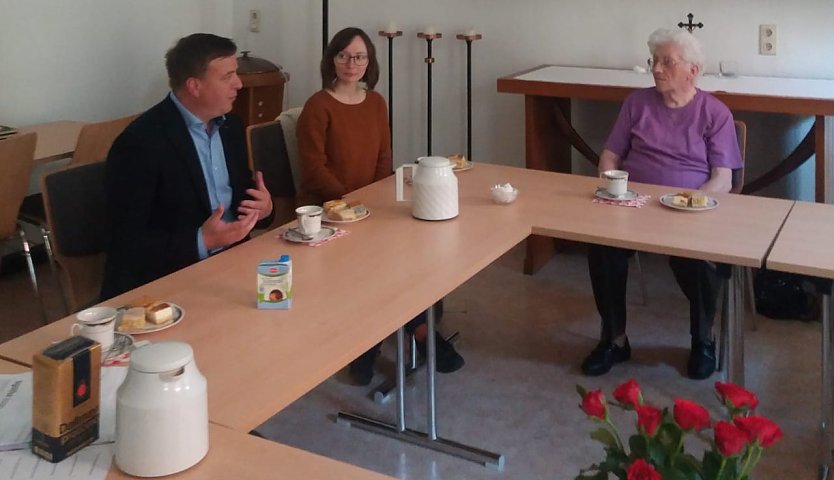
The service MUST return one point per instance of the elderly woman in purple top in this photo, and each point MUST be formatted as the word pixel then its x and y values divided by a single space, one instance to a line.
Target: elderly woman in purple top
pixel 673 134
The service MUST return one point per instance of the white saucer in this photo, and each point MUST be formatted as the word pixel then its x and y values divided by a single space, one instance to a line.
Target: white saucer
pixel 603 193
pixel 293 236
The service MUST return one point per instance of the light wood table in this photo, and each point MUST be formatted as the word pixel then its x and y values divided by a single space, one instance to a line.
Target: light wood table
pixel 549 135
pixel 353 292
pixel 804 247
pixel 56 140
pixel 235 454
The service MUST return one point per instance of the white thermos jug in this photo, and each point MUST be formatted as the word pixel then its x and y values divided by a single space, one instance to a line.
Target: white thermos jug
pixel 435 188
pixel 161 412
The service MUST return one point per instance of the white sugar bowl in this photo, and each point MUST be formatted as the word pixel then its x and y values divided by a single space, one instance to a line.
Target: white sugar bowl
pixel 161 412
pixel 504 194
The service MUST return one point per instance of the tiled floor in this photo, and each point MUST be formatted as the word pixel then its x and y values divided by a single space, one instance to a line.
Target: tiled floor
pixel 523 338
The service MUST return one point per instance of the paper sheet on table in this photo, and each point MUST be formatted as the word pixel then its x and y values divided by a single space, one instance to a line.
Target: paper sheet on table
pixel 90 463
pixel 16 414
pixel 15 411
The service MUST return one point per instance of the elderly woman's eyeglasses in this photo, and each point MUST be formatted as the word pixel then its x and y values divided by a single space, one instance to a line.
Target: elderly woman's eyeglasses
pixel 360 59
pixel 666 63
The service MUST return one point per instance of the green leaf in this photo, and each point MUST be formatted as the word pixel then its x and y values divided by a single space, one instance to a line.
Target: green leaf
pixel 658 453
pixel 605 437
pixel 637 444
pixel 668 473
pixel 581 391
pixel 711 462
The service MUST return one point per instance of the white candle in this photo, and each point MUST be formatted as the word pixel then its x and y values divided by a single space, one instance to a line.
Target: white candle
pixel 429 30
pixel 391 28
pixel 471 32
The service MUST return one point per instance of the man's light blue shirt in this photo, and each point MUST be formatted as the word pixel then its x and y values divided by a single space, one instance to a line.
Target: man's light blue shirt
pixel 209 147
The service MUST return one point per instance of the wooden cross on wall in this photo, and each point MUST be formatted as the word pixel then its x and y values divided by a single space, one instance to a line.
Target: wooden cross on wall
pixel 690 26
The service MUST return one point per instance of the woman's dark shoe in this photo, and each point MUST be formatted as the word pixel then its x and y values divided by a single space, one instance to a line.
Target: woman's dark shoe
pixel 362 369
pixel 448 360
pixel 701 359
pixel 604 356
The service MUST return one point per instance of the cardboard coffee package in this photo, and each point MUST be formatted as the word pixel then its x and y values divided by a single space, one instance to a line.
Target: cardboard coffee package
pixel 65 399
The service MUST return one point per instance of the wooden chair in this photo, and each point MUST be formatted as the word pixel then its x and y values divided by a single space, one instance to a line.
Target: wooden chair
pixel 17 155
pixel 94 142
pixel 268 153
pixel 75 203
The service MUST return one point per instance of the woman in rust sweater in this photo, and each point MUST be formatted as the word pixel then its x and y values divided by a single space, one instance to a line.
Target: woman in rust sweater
pixel 343 136
pixel 344 143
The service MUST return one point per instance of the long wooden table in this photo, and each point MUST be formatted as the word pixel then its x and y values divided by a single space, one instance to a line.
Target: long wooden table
pixel 549 135
pixel 804 247
pixel 56 140
pixel 234 454
pixel 355 291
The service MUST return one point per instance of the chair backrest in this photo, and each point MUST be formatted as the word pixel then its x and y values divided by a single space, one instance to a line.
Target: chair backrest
pixel 75 201
pixel 17 154
pixel 95 140
pixel 268 153
pixel 289 120
pixel 738 174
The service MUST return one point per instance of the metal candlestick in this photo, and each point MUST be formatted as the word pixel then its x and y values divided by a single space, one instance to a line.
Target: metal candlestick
pixel 429 37
pixel 325 9
pixel 390 36
pixel 469 38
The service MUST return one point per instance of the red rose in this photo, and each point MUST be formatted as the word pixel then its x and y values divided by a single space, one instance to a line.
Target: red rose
pixel 759 428
pixel 648 418
pixel 735 396
pixel 628 393
pixel 641 470
pixel 594 405
pixel 729 439
pixel 690 415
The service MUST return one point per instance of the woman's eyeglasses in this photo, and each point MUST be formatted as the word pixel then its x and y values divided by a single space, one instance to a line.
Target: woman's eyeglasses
pixel 666 63
pixel 359 59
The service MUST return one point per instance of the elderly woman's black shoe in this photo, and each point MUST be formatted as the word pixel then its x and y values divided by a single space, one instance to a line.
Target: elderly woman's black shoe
pixel 604 356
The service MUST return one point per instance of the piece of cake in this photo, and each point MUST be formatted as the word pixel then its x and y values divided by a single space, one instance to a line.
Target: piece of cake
pixel 132 319
pixel 458 160
pixel 699 200
pixel 680 201
pixel 345 214
pixel 334 205
pixel 159 312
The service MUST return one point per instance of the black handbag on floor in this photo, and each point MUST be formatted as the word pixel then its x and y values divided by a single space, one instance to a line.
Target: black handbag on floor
pixel 786 296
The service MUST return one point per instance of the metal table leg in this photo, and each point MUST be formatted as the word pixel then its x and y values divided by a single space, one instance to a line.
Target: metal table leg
pixel 735 327
pixel 827 390
pixel 429 439
pixel 388 387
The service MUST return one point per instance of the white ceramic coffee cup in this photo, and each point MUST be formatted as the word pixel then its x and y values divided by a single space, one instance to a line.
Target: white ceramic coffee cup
pixel 96 323
pixel 309 219
pixel 616 182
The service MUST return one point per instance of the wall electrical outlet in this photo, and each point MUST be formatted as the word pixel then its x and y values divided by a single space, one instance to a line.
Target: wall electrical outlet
pixel 767 39
pixel 254 20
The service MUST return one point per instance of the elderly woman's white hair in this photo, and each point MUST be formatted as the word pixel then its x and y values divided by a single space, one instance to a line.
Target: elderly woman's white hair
pixel 690 46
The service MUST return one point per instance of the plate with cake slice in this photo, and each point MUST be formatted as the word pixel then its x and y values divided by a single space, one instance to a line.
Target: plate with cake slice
pixel 142 316
pixel 689 201
pixel 342 211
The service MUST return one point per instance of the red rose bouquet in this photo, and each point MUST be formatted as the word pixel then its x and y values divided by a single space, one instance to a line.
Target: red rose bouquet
pixel 656 450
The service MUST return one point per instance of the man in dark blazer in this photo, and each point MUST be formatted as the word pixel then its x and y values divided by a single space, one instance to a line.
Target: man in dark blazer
pixel 178 184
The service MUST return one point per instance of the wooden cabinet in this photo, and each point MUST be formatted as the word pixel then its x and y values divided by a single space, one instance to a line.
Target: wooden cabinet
pixel 262 97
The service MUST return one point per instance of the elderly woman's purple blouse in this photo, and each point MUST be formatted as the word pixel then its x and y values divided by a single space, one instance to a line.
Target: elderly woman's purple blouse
pixel 674 146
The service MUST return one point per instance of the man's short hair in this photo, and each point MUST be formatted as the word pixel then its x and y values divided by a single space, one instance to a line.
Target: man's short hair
pixel 191 55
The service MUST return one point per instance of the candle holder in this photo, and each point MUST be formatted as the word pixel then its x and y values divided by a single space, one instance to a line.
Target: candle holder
pixel 469 38
pixel 391 35
pixel 429 37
